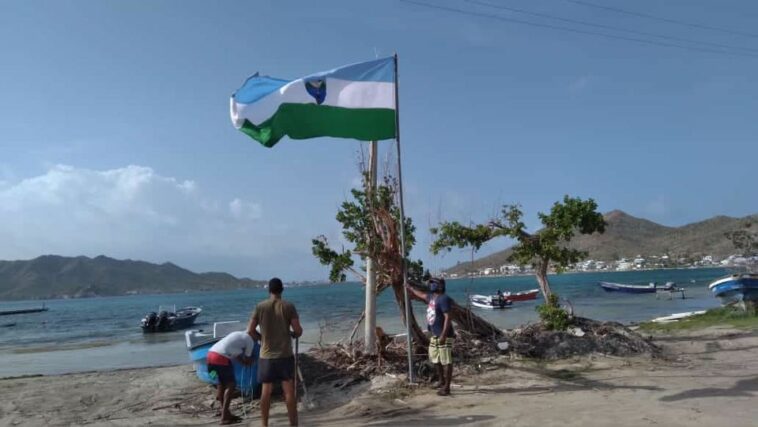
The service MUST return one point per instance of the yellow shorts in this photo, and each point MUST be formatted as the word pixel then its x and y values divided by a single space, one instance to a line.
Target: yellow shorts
pixel 442 354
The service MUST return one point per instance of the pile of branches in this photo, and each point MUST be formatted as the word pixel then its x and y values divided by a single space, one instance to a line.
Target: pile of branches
pixel 348 360
pixel 586 336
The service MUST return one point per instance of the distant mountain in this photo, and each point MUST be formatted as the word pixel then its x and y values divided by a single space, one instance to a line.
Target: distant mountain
pixel 627 236
pixel 52 276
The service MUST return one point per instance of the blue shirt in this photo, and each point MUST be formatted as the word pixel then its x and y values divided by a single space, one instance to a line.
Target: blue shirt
pixel 435 314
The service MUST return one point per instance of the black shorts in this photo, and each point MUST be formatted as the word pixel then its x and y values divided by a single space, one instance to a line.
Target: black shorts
pixel 276 370
pixel 224 373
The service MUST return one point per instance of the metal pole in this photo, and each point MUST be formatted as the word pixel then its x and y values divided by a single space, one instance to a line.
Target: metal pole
pixel 370 321
pixel 411 378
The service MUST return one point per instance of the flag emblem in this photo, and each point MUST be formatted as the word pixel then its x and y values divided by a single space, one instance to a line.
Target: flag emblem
pixel 316 89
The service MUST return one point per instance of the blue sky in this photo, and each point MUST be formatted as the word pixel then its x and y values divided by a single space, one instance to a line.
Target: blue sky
pixel 116 138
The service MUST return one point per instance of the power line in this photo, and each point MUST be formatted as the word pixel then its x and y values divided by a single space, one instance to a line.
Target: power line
pixel 608 27
pixel 659 18
pixel 574 30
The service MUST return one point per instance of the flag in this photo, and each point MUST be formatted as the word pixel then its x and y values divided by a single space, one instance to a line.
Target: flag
pixel 355 101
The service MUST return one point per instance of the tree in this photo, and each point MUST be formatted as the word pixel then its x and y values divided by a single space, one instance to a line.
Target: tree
pixel 370 223
pixel 542 249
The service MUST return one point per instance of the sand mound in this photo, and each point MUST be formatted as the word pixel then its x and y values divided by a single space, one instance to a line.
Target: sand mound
pixel 585 337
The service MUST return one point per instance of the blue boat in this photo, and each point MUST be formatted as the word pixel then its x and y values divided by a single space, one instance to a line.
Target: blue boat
pixel 633 289
pixel 737 288
pixel 198 345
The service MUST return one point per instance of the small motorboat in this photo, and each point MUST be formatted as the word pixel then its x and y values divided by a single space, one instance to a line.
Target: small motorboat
pixel 168 318
pixel 200 342
pixel 494 302
pixel 522 296
pixel 633 289
pixel 737 288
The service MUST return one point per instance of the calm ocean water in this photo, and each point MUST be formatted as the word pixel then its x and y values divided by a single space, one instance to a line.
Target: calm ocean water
pixel 103 333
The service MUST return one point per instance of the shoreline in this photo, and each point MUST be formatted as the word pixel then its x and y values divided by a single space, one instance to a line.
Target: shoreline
pixel 11 302
pixel 567 273
pixel 597 390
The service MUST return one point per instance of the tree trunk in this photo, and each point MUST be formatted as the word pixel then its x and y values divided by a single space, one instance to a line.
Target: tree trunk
pixel 541 273
pixel 416 332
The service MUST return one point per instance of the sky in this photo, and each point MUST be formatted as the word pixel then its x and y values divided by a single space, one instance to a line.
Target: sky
pixel 115 135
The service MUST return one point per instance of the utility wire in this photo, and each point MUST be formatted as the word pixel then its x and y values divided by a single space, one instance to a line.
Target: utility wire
pixel 608 27
pixel 574 30
pixel 659 18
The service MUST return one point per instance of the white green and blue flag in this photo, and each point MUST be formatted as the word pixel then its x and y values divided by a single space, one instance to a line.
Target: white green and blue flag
pixel 355 101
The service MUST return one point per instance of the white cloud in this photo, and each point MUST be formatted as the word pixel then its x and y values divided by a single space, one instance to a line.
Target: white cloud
pixel 244 210
pixel 129 212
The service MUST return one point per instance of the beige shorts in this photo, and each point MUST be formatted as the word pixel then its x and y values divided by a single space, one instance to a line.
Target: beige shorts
pixel 442 354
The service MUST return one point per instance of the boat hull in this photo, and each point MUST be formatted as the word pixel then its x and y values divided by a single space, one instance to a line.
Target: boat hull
pixel 246 376
pixel 483 301
pixel 631 289
pixel 736 289
pixel 523 296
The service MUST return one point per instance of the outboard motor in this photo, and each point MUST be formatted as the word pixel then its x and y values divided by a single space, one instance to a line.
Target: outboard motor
pixel 152 320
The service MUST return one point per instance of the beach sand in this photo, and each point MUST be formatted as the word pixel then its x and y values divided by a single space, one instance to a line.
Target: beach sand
pixel 708 378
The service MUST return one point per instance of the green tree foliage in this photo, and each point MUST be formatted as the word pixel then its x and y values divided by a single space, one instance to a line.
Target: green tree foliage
pixel 369 222
pixel 541 249
pixel 553 317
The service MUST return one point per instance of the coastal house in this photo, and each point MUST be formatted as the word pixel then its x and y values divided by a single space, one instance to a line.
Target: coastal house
pixel 623 265
pixel 639 262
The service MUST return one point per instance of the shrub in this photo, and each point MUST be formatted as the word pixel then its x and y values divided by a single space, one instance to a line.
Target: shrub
pixel 553 317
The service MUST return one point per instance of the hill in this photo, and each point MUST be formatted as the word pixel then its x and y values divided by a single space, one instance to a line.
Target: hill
pixel 627 236
pixel 52 276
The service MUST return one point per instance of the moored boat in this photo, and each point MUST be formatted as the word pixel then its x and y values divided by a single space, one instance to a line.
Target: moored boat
pixel 737 288
pixel 24 311
pixel 522 296
pixel 633 289
pixel 168 318
pixel 200 342
pixel 494 302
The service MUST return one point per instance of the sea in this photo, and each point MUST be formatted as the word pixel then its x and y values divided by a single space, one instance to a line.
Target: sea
pixel 79 335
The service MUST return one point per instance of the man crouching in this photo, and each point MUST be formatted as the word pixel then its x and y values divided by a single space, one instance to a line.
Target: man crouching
pixel 237 345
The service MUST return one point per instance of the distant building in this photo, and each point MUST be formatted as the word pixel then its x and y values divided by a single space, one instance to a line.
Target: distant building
pixel 623 265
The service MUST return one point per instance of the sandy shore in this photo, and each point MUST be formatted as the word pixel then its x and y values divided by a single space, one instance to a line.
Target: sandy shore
pixel 709 378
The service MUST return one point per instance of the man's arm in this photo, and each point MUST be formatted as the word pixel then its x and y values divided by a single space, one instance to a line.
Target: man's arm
pixel 246 358
pixel 251 328
pixel 418 294
pixel 297 329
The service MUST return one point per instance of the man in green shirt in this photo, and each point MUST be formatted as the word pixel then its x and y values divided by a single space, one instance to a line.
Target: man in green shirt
pixel 278 322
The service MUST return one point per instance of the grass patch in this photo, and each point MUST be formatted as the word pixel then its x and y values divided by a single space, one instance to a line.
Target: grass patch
pixel 563 374
pixel 724 316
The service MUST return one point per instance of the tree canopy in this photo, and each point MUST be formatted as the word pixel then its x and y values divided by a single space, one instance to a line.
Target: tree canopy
pixel 545 247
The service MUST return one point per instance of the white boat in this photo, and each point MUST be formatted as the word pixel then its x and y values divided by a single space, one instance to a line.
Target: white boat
pixel 493 302
pixel 677 316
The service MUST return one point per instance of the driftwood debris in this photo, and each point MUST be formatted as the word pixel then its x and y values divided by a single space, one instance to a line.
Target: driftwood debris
pixel 586 336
